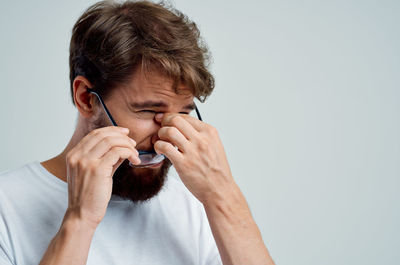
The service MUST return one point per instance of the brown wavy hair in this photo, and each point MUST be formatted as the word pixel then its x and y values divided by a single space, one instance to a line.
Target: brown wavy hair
pixel 111 39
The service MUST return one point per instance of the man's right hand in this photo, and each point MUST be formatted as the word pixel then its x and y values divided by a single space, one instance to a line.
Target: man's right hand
pixel 90 167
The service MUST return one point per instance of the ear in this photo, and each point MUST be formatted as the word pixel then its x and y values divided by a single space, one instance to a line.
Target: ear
pixel 84 101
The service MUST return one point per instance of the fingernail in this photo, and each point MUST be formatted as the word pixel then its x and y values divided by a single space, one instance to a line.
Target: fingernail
pixel 134 160
pixel 159 116
pixel 125 130
pixel 133 141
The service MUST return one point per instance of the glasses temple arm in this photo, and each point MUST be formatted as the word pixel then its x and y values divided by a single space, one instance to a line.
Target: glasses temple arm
pixel 198 112
pixel 104 105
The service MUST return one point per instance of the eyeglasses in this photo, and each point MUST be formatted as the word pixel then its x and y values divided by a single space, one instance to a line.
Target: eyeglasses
pixel 147 158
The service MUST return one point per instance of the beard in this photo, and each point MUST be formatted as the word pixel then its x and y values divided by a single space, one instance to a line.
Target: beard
pixel 139 184
pixel 136 184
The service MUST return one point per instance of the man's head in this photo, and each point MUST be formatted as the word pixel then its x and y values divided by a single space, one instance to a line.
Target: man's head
pixel 111 39
pixel 142 58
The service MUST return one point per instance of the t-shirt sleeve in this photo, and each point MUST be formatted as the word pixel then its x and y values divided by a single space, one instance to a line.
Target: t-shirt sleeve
pixel 5 258
pixel 214 260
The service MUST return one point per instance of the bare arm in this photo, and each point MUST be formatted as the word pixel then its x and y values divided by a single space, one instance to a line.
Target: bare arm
pixel 71 244
pixel 237 236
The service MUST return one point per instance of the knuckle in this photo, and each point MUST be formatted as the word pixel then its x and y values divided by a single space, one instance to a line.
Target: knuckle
pixel 116 150
pixel 113 150
pixel 91 133
pixel 212 130
pixel 91 166
pixel 161 131
pixel 82 163
pixel 176 119
pixel 108 141
pixel 159 145
pixel 132 141
pixel 94 169
pixel 71 159
pixel 124 151
pixel 101 134
pixel 166 131
pixel 170 131
pixel 95 132
pixel 203 146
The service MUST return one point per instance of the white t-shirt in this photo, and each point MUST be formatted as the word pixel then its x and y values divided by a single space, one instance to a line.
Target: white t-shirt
pixel 172 228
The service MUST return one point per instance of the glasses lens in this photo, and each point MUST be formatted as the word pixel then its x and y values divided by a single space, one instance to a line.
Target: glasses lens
pixel 149 160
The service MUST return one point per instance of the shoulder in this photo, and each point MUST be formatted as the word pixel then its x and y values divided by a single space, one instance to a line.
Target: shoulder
pixel 14 185
pixel 12 178
pixel 10 193
pixel 28 186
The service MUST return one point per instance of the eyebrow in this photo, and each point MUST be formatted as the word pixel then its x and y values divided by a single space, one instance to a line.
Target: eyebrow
pixel 156 104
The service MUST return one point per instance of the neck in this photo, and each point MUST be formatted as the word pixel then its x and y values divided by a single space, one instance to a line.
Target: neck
pixel 57 165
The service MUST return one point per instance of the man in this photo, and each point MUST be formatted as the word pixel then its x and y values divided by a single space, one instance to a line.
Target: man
pixel 135 68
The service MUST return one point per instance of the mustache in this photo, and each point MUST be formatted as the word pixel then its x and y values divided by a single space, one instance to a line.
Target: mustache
pixel 144 148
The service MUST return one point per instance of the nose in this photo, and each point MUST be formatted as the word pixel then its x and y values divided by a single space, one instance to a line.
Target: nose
pixel 155 137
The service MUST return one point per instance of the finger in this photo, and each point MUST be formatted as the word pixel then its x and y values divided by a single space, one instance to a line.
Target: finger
pixel 112 157
pixel 183 124
pixel 96 136
pixel 116 166
pixel 111 141
pixel 174 136
pixel 167 149
pixel 196 123
pixel 93 137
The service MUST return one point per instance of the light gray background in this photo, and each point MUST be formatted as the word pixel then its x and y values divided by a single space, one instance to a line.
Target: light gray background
pixel 306 103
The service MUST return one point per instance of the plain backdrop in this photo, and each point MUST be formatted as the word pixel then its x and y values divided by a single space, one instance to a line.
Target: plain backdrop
pixel 306 103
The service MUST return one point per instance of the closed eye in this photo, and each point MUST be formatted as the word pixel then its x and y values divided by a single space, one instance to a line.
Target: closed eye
pixel 153 111
pixel 146 114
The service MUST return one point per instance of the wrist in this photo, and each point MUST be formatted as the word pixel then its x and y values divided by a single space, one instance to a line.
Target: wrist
pixel 229 202
pixel 72 222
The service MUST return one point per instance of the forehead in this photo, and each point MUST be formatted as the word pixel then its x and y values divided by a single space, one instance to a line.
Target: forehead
pixel 154 85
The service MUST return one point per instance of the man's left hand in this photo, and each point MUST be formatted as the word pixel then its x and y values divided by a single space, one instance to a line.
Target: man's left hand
pixel 197 153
